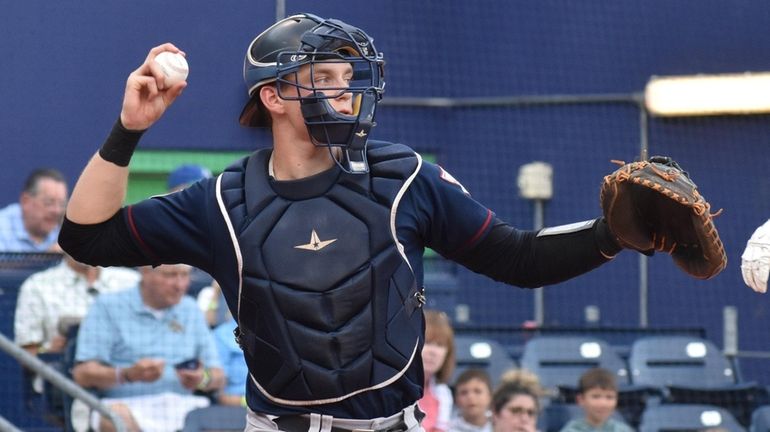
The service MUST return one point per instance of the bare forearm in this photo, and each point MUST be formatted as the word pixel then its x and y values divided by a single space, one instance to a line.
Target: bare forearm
pixel 229 399
pixel 217 379
pixel 32 349
pixel 93 374
pixel 101 189
pixel 99 192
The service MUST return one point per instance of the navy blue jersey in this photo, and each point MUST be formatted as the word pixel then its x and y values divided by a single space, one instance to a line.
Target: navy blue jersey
pixel 188 226
pixel 434 211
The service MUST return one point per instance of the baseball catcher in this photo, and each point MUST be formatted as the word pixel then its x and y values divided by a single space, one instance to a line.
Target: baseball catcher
pixel 318 241
pixel 653 205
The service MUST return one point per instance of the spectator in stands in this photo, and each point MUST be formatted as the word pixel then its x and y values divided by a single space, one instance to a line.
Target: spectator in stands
pixel 212 303
pixel 598 396
pixel 516 402
pixel 473 395
pixel 180 178
pixel 233 364
pixel 438 359
pixel 147 350
pixel 185 175
pixel 230 353
pixel 32 224
pixel 52 300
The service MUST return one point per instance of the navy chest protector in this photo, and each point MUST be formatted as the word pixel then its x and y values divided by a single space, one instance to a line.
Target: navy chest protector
pixel 328 305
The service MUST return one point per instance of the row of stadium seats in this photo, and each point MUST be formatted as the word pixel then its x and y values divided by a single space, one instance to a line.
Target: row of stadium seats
pixel 658 370
pixel 656 361
pixel 669 417
pixel 679 417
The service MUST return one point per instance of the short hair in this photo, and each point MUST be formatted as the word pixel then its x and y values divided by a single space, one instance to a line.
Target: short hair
pixel 472 374
pixel 597 378
pixel 439 330
pixel 33 180
pixel 522 377
pixel 514 383
pixel 508 390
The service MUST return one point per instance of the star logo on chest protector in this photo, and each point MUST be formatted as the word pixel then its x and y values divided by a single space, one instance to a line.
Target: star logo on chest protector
pixel 315 243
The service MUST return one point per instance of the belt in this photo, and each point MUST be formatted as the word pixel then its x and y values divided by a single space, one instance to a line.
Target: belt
pixel 300 423
pixel 403 421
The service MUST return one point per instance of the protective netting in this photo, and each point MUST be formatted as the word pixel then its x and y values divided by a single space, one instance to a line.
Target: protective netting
pixel 485 49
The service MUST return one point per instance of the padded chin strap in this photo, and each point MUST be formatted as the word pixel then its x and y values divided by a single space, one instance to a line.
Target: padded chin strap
pixel 355 153
pixel 330 128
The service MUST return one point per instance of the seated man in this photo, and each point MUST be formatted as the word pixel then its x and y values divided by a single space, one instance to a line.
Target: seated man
pixel 50 302
pixel 53 299
pixel 233 364
pixel 32 224
pixel 147 350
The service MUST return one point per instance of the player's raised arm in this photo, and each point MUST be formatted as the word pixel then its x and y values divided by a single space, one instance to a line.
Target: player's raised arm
pixel 101 188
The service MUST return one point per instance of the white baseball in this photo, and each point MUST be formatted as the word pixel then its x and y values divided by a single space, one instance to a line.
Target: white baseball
pixel 174 66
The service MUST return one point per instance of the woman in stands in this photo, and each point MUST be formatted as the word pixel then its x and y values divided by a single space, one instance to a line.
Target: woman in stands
pixel 438 359
pixel 515 403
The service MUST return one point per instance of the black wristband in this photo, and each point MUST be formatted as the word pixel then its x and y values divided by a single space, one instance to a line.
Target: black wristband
pixel 120 145
pixel 605 239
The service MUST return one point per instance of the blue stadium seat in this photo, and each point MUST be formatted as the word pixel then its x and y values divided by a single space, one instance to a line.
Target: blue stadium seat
pixel 679 360
pixel 216 418
pixel 481 353
pixel 687 417
pixel 560 360
pixel 760 419
pixel 692 370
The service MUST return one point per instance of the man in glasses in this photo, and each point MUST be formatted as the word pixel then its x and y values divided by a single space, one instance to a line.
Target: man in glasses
pixel 32 224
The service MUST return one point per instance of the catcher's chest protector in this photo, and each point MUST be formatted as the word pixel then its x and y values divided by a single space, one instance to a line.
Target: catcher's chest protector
pixel 328 306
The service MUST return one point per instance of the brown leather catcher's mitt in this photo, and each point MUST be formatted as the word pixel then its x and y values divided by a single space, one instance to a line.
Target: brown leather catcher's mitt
pixel 655 206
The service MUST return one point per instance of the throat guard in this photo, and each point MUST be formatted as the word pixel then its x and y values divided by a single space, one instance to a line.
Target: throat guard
pixel 328 304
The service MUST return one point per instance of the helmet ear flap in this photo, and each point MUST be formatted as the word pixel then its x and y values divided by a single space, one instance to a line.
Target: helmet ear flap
pixel 259 64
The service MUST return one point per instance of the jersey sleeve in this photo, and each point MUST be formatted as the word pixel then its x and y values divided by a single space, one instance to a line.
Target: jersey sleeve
pixel 178 227
pixel 446 217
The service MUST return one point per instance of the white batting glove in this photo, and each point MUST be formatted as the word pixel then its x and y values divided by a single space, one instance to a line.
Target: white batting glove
pixel 755 261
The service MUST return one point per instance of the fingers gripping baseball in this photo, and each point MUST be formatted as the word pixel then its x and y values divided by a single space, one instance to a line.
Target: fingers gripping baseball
pixel 755 261
pixel 148 94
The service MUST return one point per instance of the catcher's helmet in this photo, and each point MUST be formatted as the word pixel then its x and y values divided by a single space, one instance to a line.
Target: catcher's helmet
pixel 278 53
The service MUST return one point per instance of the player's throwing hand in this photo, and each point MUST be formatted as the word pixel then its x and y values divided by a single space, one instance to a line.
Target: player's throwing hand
pixel 147 96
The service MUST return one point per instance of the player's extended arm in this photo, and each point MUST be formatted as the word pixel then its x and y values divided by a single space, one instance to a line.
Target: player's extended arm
pixel 101 188
pixel 532 259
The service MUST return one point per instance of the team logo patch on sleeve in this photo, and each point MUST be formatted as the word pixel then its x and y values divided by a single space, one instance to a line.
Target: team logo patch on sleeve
pixel 449 179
